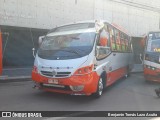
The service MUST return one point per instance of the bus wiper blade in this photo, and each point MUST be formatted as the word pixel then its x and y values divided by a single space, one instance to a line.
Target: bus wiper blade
pixel 75 38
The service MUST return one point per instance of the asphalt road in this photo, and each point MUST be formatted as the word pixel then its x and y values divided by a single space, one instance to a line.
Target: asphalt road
pixel 131 94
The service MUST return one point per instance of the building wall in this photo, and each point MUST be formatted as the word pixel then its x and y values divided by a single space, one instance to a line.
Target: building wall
pixel 137 18
pixel 45 14
pixel 18 44
pixel 26 20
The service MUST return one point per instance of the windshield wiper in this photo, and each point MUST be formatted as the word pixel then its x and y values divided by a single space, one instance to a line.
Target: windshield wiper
pixel 75 38
pixel 81 50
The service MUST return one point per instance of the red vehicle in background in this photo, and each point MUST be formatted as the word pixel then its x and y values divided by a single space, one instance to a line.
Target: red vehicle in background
pixel 152 57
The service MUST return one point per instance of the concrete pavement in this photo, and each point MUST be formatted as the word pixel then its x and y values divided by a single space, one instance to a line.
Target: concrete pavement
pixel 137 68
pixel 131 94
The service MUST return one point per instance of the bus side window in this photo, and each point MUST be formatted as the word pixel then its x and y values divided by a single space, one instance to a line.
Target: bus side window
pixel 118 43
pixel 102 45
pixel 108 36
pixel 130 49
pixel 112 38
pixel 125 42
pixel 128 44
pixel 103 40
pixel 122 42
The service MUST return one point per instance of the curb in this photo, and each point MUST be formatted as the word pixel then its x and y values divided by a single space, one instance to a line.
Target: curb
pixel 6 79
pixel 136 72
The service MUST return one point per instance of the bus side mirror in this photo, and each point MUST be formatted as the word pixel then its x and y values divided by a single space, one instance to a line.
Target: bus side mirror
pixel 102 51
pixel 40 40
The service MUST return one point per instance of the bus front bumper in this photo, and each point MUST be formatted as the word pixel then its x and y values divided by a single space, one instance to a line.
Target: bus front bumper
pixel 152 75
pixel 74 85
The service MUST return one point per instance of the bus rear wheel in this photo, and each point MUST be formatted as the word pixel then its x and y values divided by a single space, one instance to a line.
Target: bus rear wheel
pixel 99 88
pixel 128 72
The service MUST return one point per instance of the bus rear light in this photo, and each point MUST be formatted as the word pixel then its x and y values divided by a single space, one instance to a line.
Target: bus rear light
pixel 35 69
pixel 84 70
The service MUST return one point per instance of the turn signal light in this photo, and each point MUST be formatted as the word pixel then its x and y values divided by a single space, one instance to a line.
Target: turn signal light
pixel 84 70
pixel 77 88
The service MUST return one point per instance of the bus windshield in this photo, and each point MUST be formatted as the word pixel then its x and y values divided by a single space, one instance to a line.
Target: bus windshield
pixel 154 42
pixel 67 46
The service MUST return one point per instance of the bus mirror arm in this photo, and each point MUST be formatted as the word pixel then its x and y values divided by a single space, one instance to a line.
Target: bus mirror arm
pixel 40 40
pixel 33 51
pixel 97 51
pixel 140 57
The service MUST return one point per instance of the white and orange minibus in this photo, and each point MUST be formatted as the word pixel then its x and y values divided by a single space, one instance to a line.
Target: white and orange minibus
pixel 152 57
pixel 82 58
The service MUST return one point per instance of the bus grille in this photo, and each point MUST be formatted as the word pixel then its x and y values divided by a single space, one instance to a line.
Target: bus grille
pixel 59 74
pixel 57 88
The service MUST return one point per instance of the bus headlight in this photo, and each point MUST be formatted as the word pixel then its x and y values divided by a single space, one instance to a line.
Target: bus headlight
pixel 150 67
pixel 153 68
pixel 77 88
pixel 84 70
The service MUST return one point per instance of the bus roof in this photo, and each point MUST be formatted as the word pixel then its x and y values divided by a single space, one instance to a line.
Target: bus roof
pixel 120 28
pixel 91 22
pixel 153 31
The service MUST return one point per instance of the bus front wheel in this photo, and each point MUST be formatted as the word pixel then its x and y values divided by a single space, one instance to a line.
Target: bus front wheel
pixel 99 88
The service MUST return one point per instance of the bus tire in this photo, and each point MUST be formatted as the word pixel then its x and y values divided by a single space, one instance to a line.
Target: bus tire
pixel 128 71
pixel 126 75
pixel 100 87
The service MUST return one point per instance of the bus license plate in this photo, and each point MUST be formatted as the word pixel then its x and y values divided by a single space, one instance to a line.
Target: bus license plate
pixel 53 81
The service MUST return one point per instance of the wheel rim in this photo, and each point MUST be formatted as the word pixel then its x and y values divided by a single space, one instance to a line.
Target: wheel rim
pixel 100 86
pixel 126 75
